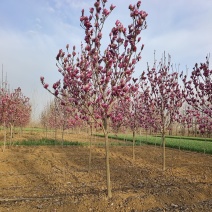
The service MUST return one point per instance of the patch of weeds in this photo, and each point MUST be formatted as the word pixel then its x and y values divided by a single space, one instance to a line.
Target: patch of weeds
pixel 47 142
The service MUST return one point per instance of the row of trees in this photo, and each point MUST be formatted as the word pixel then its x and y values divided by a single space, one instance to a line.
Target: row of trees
pixel 58 116
pixel 15 109
pixel 99 84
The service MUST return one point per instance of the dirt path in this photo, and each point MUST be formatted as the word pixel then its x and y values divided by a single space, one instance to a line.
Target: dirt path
pixel 56 179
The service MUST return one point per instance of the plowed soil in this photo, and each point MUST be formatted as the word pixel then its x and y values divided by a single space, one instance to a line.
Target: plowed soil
pixel 55 178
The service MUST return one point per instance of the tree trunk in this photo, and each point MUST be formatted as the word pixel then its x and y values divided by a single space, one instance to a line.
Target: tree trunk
pixel 150 130
pixel 62 135
pixel 11 133
pixel 5 136
pixel 89 163
pixel 55 135
pixel 139 131
pixel 46 132
pixel 109 193
pixel 107 152
pixel 133 145
pixel 164 149
pixel 90 146
pixel 195 126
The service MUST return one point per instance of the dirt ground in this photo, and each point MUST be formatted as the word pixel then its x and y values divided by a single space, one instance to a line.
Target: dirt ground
pixel 54 178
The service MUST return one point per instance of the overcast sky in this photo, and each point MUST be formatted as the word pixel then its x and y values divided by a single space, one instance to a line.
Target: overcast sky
pixel 32 32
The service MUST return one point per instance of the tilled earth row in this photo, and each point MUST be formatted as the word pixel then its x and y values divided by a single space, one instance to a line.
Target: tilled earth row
pixel 57 179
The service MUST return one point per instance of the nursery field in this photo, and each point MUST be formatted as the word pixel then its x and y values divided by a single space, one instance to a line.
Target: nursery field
pixel 56 178
pixel 197 144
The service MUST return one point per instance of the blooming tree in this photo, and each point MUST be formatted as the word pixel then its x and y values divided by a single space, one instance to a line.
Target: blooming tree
pixel 189 117
pixel 198 90
pixel 118 116
pixel 20 111
pixel 134 113
pixel 164 95
pixel 95 79
pixel 15 109
pixel 59 116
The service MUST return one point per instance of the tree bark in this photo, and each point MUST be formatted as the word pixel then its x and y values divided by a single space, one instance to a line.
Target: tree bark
pixel 89 163
pixel 5 136
pixel 133 145
pixel 11 134
pixel 63 130
pixel 109 193
pixel 107 152
pixel 164 149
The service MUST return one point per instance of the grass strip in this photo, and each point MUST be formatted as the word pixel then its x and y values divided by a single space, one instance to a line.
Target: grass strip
pixel 47 142
pixel 189 138
pixel 183 144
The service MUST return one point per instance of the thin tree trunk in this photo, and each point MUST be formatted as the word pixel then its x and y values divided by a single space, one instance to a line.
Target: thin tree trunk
pixel 195 126
pixel 62 136
pixel 107 152
pixel 133 145
pixel 46 132
pixel 192 127
pixel 55 135
pixel 89 163
pixel 164 149
pixel 188 131
pixel 109 193
pixel 90 146
pixel 150 130
pixel 176 130
pixel 11 134
pixel 5 136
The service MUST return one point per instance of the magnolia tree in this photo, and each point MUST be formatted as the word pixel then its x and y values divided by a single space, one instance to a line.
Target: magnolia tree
pixel 185 118
pixel 204 124
pixel 59 116
pixel 44 119
pixel 198 90
pixel 15 110
pixel 96 78
pixel 5 102
pixel 133 113
pixel 117 116
pixel 198 93
pixel 53 117
pixel 195 121
pixel 20 110
pixel 164 95
pixel 136 113
pixel 125 114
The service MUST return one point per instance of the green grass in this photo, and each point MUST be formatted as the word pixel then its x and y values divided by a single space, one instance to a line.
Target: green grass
pixel 29 129
pixel 34 129
pixel 183 143
pixel 197 145
pixel 189 138
pixel 47 142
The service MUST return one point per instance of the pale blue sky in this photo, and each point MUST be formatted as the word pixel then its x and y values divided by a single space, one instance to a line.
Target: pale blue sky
pixel 32 32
